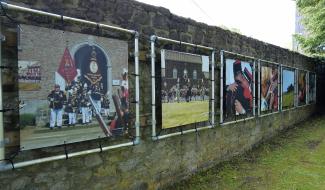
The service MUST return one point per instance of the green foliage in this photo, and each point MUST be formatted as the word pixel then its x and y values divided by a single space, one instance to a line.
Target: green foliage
pixel 26 120
pixel 313 19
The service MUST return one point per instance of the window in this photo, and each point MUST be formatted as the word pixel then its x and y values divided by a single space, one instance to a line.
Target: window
pixel 174 73
pixel 194 75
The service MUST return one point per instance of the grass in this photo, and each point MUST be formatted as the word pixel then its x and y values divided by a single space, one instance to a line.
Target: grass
pixel 288 100
pixel 177 114
pixel 292 160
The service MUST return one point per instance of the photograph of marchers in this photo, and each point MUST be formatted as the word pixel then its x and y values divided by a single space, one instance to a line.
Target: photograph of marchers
pixel 302 87
pixel 269 88
pixel 312 87
pixel 288 88
pixel 184 88
pixel 74 87
pixel 238 97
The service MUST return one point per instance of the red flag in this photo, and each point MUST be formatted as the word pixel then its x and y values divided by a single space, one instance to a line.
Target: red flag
pixel 67 68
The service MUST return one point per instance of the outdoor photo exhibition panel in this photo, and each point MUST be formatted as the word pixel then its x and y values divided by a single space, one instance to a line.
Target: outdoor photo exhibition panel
pixel 302 88
pixel 74 87
pixel 312 88
pixel 268 87
pixel 237 92
pixel 288 91
pixel 183 92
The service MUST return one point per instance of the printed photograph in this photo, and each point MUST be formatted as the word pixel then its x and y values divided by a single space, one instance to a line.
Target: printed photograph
pixel 238 97
pixel 269 88
pixel 73 87
pixel 184 89
pixel 302 87
pixel 312 88
pixel 288 88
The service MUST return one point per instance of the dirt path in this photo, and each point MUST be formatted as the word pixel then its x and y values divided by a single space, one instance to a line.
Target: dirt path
pixel 293 160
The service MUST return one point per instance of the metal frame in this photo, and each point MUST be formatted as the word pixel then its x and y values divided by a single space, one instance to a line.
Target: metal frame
pixel 222 123
pixel 260 113
pixel 295 83
pixel 2 142
pixel 5 166
pixel 307 84
pixel 153 40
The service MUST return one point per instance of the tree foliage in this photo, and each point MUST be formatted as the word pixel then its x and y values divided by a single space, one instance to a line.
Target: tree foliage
pixel 313 19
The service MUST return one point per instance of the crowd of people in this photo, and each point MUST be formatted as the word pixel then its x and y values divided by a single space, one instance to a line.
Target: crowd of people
pixel 184 91
pixel 81 102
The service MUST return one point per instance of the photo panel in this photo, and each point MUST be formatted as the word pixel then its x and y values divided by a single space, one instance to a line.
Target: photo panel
pixel 74 87
pixel 302 87
pixel 184 88
pixel 238 95
pixel 288 88
pixel 312 88
pixel 269 89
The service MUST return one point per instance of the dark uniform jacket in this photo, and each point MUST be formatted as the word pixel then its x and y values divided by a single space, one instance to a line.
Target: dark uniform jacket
pixel 57 99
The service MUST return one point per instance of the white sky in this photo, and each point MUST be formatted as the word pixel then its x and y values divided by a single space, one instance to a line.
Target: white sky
pixel 272 21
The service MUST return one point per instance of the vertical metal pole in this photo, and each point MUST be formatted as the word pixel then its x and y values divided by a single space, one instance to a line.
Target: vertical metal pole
pixel 259 86
pixel 221 87
pixel 296 89
pixel 254 94
pixel 279 85
pixel 137 88
pixel 212 83
pixel 307 87
pixel 2 142
pixel 315 86
pixel 280 88
pixel 153 86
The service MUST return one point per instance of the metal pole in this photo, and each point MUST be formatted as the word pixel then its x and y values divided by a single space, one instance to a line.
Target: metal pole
pixel 279 81
pixel 259 86
pixel 2 142
pixel 64 18
pixel 241 55
pixel 296 88
pixel 315 93
pixel 153 85
pixel 281 87
pixel 137 88
pixel 254 96
pixel 221 86
pixel 307 87
pixel 212 93
pixel 183 43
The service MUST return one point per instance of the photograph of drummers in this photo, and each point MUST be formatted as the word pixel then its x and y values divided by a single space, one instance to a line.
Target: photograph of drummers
pixel 269 88
pixel 57 99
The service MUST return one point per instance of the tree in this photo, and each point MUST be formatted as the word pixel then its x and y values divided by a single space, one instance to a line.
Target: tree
pixel 313 19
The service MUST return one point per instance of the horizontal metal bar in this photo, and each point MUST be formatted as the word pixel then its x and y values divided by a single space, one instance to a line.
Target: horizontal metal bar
pixel 184 43
pixel 61 157
pixel 237 121
pixel 238 54
pixel 271 62
pixel 183 132
pixel 64 18
pixel 268 114
pixel 289 67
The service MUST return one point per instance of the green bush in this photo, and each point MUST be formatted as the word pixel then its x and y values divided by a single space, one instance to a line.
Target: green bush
pixel 27 119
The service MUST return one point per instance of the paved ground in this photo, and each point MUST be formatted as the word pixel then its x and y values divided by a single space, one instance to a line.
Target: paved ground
pixel 293 160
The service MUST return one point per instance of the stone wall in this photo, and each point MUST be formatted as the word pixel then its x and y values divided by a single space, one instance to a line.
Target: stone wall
pixel 152 164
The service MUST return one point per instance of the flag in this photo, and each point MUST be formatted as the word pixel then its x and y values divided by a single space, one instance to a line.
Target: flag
pixel 67 68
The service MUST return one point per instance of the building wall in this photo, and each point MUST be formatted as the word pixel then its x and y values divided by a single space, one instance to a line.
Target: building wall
pixel 152 164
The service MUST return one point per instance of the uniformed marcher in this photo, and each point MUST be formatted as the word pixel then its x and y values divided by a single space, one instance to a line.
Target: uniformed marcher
pixel 57 100
pixel 70 109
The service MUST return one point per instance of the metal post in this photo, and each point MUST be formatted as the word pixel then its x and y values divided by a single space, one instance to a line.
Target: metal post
pixel 281 87
pixel 137 88
pixel 153 86
pixel 315 84
pixel 259 86
pixel 296 89
pixel 254 96
pixel 212 93
pixel 2 142
pixel 307 87
pixel 221 87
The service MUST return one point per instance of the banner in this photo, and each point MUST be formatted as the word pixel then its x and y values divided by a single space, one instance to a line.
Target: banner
pixel 184 89
pixel 302 87
pixel 238 95
pixel 269 88
pixel 66 85
pixel 312 88
pixel 288 88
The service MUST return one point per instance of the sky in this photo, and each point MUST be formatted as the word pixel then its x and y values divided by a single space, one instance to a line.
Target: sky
pixel 271 21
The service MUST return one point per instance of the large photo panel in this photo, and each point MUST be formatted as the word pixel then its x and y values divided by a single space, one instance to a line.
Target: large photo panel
pixel 74 87
pixel 184 88
pixel 312 88
pixel 269 101
pixel 238 90
pixel 302 87
pixel 288 88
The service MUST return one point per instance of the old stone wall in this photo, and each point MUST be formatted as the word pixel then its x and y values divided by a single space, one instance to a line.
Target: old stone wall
pixel 152 164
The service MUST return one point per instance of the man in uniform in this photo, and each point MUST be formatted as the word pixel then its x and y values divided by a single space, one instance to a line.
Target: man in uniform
pixel 57 99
